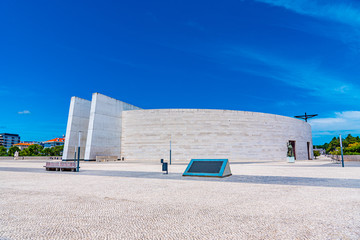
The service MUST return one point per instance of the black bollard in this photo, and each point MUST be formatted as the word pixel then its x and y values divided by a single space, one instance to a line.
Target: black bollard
pixel 165 167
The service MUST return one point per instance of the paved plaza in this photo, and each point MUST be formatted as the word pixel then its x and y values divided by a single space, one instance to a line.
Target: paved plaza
pixel 262 200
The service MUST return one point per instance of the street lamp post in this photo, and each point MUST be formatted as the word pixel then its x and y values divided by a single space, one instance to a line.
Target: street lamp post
pixel 170 150
pixel 78 158
pixel 342 154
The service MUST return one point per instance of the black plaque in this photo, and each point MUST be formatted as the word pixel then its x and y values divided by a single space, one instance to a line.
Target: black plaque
pixel 205 167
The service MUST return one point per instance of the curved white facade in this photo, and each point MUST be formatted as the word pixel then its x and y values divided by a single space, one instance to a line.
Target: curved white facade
pixel 202 133
pixel 113 128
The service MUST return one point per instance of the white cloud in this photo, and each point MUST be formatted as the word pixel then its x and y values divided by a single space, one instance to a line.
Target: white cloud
pixel 354 115
pixel 24 112
pixel 302 74
pixel 346 14
pixel 340 11
pixel 347 122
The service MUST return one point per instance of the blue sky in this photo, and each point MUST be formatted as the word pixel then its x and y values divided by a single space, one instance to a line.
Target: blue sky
pixel 283 57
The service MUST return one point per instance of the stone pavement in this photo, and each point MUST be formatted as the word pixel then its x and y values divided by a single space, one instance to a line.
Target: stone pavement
pixel 262 200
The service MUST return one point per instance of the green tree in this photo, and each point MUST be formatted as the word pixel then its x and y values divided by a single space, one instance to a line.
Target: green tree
pixel 3 151
pixel 47 152
pixel 334 143
pixel 325 146
pixel 316 154
pixel 350 139
pixel 350 145
pixel 12 150
pixel 32 150
pixel 58 150
pixel 352 149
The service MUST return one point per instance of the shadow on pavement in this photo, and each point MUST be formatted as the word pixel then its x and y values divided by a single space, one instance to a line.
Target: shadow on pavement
pixel 277 180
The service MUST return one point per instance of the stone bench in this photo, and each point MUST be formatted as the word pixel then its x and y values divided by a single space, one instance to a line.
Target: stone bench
pixel 60 166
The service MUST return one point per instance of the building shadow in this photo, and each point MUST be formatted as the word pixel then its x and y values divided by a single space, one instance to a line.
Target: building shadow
pixel 253 179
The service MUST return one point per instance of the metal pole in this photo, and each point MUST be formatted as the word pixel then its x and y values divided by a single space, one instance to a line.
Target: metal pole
pixel 170 150
pixel 78 158
pixel 342 154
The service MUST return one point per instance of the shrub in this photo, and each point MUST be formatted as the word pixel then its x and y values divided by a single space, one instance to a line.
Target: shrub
pixel 316 153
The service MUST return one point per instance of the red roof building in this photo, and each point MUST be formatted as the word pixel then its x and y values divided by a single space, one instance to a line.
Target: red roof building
pixel 54 142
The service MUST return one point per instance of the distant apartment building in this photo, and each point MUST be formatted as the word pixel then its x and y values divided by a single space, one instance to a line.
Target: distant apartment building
pixel 9 139
pixel 54 142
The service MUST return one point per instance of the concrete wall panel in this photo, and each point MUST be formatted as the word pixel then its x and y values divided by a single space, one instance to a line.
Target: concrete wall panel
pixel 78 120
pixel 105 126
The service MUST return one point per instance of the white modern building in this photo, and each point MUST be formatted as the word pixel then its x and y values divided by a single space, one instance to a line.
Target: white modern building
pixel 111 128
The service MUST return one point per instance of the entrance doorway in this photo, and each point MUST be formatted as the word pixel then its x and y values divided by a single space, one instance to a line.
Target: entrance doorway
pixel 308 150
pixel 292 143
